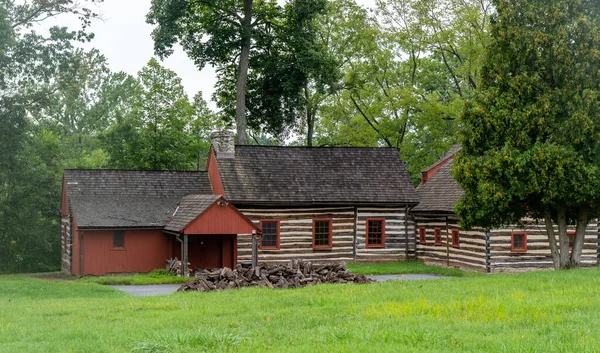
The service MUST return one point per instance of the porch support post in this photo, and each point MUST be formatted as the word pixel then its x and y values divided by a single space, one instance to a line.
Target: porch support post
pixel 184 261
pixel 254 251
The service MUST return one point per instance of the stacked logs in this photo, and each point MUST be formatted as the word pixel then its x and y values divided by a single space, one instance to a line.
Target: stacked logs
pixel 173 267
pixel 293 275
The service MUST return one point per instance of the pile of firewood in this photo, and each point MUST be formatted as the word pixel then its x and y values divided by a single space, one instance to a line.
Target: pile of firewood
pixel 174 267
pixel 293 275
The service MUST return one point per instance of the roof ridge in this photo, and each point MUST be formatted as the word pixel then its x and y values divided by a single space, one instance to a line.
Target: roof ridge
pixel 317 147
pixel 135 170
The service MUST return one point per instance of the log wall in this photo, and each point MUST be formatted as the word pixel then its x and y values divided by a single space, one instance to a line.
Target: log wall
pixel 471 253
pixel 502 259
pixel 348 234
pixel 296 235
pixel 399 235
pixel 66 244
pixel 491 251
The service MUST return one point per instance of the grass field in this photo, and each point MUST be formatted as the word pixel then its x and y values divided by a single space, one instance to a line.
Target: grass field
pixel 405 267
pixel 402 267
pixel 530 312
pixel 154 277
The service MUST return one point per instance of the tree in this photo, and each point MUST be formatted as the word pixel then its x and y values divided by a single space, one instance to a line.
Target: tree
pixel 84 101
pixel 216 32
pixel 155 131
pixel 265 55
pixel 407 72
pixel 29 66
pixel 531 134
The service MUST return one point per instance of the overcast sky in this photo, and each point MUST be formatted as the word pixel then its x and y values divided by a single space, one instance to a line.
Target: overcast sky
pixel 123 36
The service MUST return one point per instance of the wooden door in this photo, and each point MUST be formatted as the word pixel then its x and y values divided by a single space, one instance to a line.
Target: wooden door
pixel 210 251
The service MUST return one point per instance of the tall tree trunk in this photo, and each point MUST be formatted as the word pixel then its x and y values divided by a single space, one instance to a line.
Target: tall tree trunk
pixel 563 239
pixel 552 239
pixel 310 118
pixel 582 222
pixel 242 74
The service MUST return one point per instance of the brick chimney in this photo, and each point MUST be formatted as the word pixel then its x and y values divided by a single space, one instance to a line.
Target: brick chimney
pixel 223 144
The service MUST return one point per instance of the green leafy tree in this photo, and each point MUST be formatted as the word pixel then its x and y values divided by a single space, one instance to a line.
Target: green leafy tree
pixel 156 131
pixel 265 55
pixel 216 32
pixel 531 137
pixel 29 66
pixel 204 122
pixel 407 72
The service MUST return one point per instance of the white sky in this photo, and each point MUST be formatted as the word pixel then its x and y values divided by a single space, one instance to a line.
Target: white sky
pixel 123 36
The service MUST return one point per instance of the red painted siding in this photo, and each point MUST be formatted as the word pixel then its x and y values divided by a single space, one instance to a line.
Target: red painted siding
pixel 220 220
pixel 75 253
pixel 143 251
pixel 430 173
pixel 213 174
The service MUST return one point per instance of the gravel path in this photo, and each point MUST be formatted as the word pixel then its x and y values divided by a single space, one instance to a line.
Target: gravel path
pixel 164 289
pixel 149 290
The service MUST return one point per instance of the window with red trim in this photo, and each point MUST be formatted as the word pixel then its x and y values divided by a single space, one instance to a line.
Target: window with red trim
pixel 321 233
pixel 456 238
pixel 518 242
pixel 422 236
pixel 375 233
pixel 437 236
pixel 571 235
pixel 270 234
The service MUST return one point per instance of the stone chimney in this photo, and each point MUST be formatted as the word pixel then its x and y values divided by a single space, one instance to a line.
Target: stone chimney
pixel 223 144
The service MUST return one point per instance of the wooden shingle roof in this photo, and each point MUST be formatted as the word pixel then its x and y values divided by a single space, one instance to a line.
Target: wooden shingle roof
pixel 440 193
pixel 309 175
pixel 190 207
pixel 129 198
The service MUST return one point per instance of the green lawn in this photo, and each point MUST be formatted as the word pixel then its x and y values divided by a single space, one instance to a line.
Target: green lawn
pixel 404 267
pixel 530 312
pixel 154 277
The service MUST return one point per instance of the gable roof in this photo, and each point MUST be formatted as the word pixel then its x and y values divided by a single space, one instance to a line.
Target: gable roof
pixel 451 152
pixel 189 208
pixel 440 193
pixel 129 198
pixel 307 175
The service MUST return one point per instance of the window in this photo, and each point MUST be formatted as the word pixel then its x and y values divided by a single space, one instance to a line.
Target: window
pixel 437 236
pixel 571 235
pixel 321 233
pixel 456 238
pixel 375 233
pixel 118 239
pixel 518 242
pixel 270 234
pixel 422 236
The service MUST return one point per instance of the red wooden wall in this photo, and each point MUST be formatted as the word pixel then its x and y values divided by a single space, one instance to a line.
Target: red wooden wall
pixel 425 176
pixel 213 174
pixel 75 263
pixel 143 251
pixel 220 220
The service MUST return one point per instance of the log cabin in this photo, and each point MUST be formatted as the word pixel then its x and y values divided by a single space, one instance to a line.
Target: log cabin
pixel 125 221
pixel 318 204
pixel 441 240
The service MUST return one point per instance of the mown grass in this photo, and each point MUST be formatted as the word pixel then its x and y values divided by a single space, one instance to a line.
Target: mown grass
pixel 160 276
pixel 155 277
pixel 530 312
pixel 404 267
